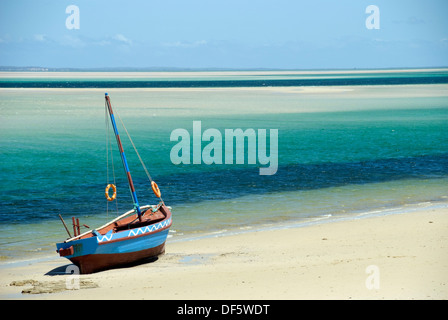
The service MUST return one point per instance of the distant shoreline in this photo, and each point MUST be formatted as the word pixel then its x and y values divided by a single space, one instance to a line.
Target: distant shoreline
pixel 222 79
pixel 144 73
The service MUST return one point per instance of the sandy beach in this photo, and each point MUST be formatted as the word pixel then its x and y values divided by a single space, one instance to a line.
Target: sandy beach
pixel 398 256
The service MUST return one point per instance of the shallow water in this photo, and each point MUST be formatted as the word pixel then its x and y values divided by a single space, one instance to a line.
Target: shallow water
pixel 363 149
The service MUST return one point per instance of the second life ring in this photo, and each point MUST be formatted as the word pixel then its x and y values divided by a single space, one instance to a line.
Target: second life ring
pixel 114 189
pixel 155 189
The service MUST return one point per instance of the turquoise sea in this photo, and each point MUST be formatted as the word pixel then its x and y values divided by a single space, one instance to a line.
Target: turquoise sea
pixel 345 150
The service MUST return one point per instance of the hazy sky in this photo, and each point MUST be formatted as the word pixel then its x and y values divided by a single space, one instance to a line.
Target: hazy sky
pixel 292 34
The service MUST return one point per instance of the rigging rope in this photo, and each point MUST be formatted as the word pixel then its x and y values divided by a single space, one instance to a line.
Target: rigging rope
pixel 136 151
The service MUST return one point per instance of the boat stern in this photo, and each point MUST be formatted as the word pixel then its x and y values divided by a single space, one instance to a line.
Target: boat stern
pixel 75 248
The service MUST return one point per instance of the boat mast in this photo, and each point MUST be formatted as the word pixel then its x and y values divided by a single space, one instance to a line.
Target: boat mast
pixel 123 158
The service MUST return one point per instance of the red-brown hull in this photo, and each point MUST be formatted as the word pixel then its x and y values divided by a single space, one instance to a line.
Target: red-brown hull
pixel 99 262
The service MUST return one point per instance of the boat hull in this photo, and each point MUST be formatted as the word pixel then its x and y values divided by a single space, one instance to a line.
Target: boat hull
pixel 99 262
pixel 98 252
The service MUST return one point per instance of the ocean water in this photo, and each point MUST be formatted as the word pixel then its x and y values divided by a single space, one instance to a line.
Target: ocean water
pixel 344 152
pixel 230 79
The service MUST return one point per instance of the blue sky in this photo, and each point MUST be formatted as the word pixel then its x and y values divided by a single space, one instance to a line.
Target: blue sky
pixel 286 34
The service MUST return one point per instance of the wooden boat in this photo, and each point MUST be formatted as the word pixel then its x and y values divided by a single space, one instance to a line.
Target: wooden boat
pixel 138 234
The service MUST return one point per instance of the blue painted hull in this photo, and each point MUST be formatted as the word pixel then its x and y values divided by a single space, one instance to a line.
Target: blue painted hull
pixel 95 251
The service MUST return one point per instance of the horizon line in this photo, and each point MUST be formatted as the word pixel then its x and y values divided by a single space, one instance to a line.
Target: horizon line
pixel 190 69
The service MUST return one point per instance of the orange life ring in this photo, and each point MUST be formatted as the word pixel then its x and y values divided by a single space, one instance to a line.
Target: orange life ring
pixel 155 189
pixel 114 189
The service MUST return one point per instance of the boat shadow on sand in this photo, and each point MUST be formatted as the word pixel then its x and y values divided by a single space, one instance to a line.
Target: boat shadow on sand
pixel 72 269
